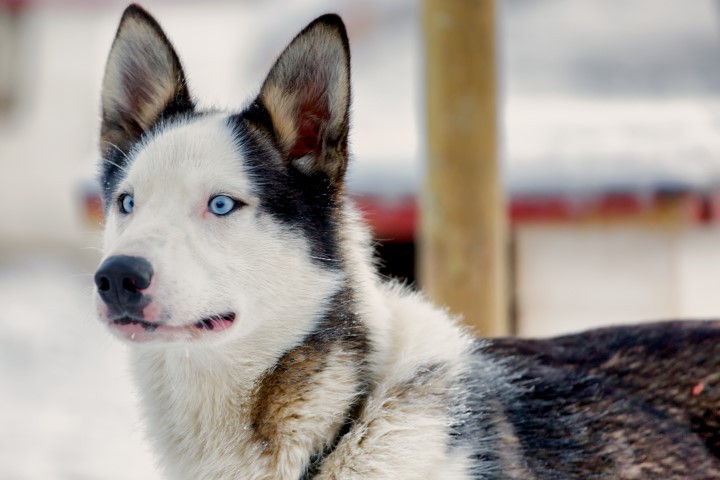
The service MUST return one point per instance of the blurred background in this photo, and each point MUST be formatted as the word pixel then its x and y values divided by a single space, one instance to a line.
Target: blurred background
pixel 610 157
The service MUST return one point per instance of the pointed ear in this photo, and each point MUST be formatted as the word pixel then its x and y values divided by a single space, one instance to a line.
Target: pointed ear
pixel 143 82
pixel 307 96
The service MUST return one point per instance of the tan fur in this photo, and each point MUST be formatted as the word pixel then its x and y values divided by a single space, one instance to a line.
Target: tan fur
pixel 289 89
pixel 292 398
pixel 282 107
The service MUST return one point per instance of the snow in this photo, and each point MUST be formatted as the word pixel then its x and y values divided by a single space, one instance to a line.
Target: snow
pixel 68 406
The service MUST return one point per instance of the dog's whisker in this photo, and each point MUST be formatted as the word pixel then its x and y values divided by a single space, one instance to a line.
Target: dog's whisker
pixel 122 169
pixel 119 150
pixel 324 258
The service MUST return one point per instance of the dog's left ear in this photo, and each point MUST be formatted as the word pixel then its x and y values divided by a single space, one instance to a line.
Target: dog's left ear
pixel 143 81
pixel 307 96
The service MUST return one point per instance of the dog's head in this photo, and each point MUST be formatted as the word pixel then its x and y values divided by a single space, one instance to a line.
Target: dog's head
pixel 219 222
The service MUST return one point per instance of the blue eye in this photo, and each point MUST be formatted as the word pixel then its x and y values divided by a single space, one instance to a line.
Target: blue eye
pixel 221 205
pixel 127 203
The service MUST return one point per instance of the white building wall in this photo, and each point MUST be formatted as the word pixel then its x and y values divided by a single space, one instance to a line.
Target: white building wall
pixel 570 277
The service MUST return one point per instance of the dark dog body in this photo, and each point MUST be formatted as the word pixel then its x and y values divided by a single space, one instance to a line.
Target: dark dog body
pixel 624 402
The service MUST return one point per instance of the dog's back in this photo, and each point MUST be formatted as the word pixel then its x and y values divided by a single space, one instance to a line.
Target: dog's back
pixel 624 402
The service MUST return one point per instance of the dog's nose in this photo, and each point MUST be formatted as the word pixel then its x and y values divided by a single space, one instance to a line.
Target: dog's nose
pixel 121 278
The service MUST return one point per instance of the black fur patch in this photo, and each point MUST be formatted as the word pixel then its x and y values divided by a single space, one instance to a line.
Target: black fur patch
pixel 309 203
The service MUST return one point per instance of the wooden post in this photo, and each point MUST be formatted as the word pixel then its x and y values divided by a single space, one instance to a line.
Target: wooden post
pixel 463 258
pixel 10 38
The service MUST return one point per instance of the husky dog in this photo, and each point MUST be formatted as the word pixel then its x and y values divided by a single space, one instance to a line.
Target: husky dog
pixel 266 346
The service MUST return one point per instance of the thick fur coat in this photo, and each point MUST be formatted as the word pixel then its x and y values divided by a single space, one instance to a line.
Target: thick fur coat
pixel 266 346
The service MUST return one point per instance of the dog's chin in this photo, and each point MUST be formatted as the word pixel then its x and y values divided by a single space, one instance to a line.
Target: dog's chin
pixel 136 330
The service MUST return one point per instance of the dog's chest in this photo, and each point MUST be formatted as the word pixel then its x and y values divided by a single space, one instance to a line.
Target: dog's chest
pixel 202 434
pixel 207 423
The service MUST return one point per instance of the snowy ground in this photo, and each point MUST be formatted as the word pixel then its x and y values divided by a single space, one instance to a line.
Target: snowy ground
pixel 67 407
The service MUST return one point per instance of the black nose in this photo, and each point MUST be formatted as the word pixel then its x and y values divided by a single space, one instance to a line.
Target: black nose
pixel 120 280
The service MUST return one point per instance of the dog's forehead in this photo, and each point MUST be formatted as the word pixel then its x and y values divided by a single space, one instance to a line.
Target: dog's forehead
pixel 201 151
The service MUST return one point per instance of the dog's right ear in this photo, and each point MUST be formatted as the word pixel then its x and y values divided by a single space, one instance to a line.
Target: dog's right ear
pixel 143 82
pixel 307 99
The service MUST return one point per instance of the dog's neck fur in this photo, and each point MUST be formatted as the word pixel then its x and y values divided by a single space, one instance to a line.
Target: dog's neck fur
pixel 244 401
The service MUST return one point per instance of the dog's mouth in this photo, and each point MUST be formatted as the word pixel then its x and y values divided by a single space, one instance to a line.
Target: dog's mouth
pixel 140 330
